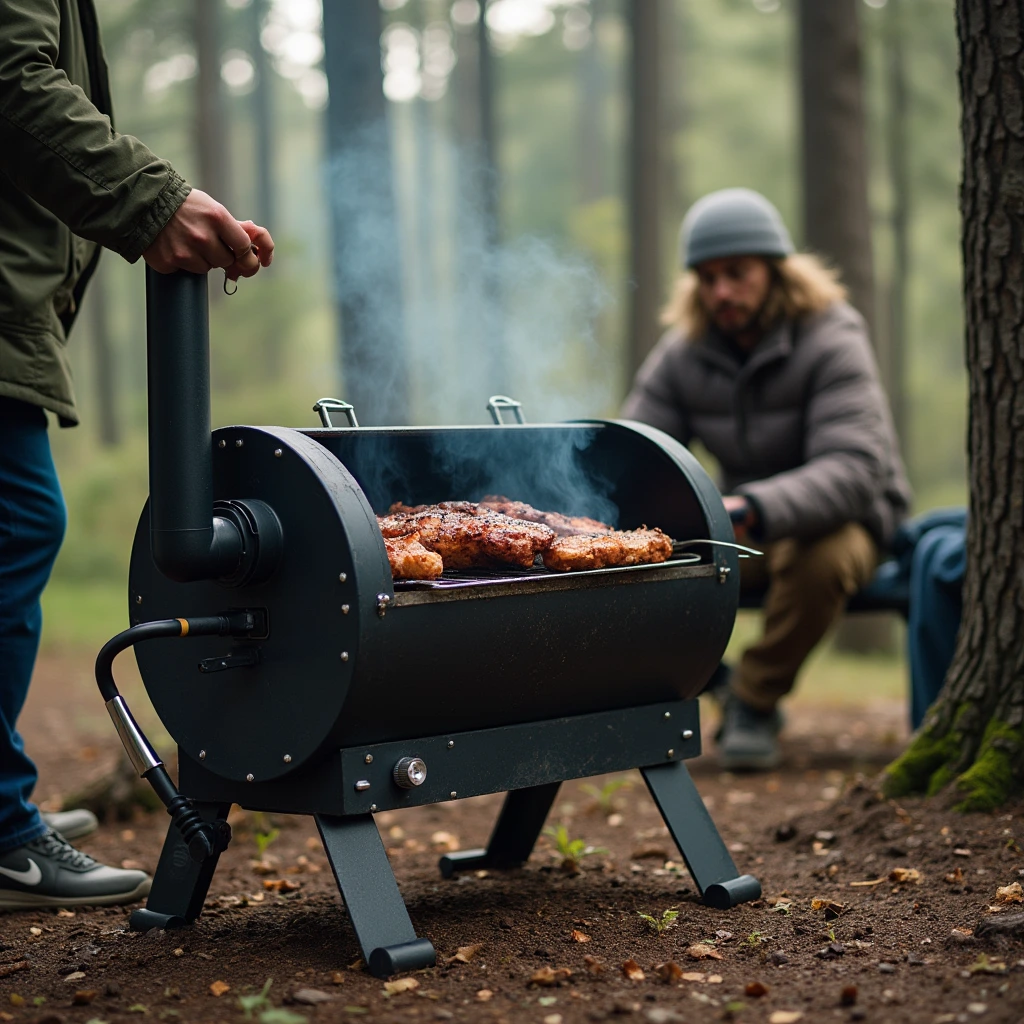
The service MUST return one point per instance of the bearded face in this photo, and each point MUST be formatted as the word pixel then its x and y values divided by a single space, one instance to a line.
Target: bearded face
pixel 732 290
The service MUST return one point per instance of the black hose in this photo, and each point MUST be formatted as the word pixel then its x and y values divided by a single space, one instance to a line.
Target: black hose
pixel 203 838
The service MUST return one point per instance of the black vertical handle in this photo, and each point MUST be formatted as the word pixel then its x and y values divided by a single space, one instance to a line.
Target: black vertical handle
pixel 188 543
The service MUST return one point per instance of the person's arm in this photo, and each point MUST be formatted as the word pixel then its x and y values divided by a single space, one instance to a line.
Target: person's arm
pixel 109 188
pixel 654 398
pixel 846 439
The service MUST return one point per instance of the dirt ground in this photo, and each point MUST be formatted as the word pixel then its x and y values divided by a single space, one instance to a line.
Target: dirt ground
pixel 913 891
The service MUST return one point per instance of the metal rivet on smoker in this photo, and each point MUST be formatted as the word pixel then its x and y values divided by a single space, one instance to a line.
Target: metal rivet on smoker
pixel 202 755
pixel 287 758
pixel 342 577
pixel 368 759
pixel 670 752
pixel 344 655
pixel 362 785
pixel 344 609
pixel 687 734
pixel 723 573
pixel 278 452
pixel 250 777
pixel 452 795
pixel 451 743
pixel 668 714
pixel 138 599
pixel 239 442
pixel 373 807
pixel 221 443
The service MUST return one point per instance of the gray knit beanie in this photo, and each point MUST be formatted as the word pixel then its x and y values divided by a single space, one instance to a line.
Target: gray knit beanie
pixel 732 222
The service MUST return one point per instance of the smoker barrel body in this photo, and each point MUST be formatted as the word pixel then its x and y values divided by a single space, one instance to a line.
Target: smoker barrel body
pixel 349 661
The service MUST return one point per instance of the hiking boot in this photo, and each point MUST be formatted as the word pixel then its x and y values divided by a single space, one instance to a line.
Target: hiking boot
pixel 50 872
pixel 71 824
pixel 748 739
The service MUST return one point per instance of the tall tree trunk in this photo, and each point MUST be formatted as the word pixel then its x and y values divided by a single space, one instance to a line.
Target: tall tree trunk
pixel 367 258
pixel 103 363
pixel 592 117
pixel 899 177
pixel 973 737
pixel 263 117
pixel 644 175
pixel 675 114
pixel 211 136
pixel 837 219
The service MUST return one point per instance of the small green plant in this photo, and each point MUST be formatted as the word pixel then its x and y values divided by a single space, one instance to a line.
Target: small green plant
pixel 605 796
pixel 831 935
pixel 264 839
pixel 279 1015
pixel 572 851
pixel 755 938
pixel 258 1001
pixel 662 924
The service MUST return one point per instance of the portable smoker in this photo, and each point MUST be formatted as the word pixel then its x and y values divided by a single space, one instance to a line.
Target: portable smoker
pixel 311 683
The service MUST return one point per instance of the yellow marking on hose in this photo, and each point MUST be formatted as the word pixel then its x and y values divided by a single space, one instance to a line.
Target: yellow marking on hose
pixel 184 626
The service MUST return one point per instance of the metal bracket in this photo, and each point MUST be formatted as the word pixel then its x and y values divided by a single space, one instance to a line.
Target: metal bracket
pixel 239 657
pixel 325 406
pixel 383 604
pixel 499 404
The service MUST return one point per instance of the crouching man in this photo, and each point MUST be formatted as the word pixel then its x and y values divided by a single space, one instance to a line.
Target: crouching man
pixel 766 364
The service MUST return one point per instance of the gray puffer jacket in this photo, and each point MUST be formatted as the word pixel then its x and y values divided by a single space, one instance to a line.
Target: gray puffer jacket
pixel 802 427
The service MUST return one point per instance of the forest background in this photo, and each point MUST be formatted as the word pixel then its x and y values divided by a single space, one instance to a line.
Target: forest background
pixel 551 288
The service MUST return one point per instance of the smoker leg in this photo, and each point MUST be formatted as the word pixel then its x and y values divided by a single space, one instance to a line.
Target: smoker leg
pixel 180 884
pixel 521 819
pixel 697 838
pixel 375 906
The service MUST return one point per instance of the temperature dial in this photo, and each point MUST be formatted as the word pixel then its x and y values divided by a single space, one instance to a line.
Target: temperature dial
pixel 409 772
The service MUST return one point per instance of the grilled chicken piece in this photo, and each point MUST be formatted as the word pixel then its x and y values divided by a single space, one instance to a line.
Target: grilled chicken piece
pixel 465 535
pixel 564 526
pixel 601 550
pixel 410 560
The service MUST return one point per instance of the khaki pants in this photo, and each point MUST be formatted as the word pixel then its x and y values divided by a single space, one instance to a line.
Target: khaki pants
pixel 808 584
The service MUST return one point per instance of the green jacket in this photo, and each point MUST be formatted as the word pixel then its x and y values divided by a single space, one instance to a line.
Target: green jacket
pixel 68 184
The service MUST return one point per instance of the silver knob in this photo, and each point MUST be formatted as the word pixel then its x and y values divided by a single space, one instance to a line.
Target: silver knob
pixel 409 772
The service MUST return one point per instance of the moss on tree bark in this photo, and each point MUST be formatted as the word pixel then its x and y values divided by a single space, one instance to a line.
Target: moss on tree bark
pixel 972 742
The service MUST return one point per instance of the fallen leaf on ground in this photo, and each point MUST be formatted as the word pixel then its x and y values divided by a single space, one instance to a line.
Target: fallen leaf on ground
pixel 831 908
pixel 870 881
pixel 905 875
pixel 961 851
pixel 755 989
pixel 578 936
pixel 785 1017
pixel 703 951
pixel 548 976
pixel 632 970
pixel 75 976
pixel 955 877
pixel 218 988
pixel 445 840
pixel 84 997
pixel 65 913
pixel 983 965
pixel 17 1000
pixel 650 851
pixel 1010 894
pixel 593 965
pixel 484 994
pixel 312 996
pixel 465 953
pixel 670 972
pixel 8 969
pixel 280 885
pixel 35 931
pixel 337 977
pixel 400 985
pixel 696 976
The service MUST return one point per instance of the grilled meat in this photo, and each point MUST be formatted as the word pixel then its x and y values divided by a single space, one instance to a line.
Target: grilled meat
pixel 564 526
pixel 465 534
pixel 600 550
pixel 410 560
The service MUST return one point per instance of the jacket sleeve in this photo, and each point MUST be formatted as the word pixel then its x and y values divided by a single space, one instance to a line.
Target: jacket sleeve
pixel 62 152
pixel 655 399
pixel 847 437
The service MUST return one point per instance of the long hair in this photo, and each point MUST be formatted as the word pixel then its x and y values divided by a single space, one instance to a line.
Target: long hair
pixel 801 284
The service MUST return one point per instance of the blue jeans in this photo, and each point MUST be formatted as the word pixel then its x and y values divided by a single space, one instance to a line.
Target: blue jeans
pixel 32 521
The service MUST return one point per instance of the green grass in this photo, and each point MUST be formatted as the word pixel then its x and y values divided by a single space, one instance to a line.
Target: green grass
pixel 79 614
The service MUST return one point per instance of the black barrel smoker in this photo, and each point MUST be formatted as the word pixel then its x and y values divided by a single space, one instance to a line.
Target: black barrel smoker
pixel 309 682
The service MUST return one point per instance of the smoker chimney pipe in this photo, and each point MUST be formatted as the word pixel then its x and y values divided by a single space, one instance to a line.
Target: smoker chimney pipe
pixel 189 543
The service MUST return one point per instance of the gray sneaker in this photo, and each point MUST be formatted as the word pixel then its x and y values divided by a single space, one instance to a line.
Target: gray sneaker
pixel 50 872
pixel 748 739
pixel 71 824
